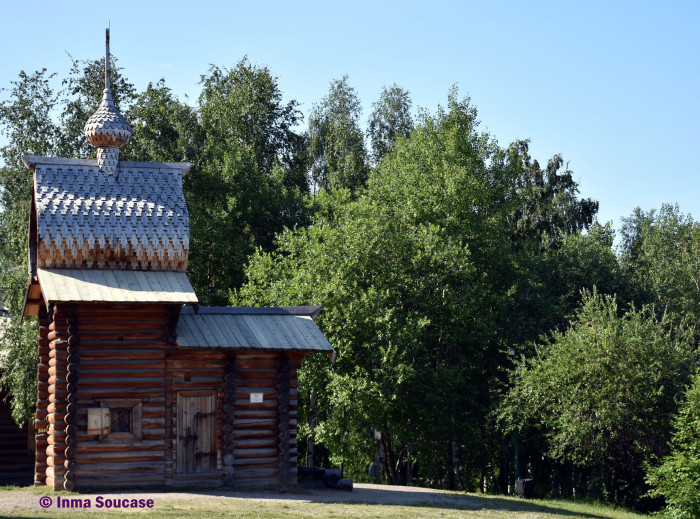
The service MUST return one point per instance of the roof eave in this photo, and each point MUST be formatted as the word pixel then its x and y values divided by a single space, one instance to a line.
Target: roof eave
pixel 31 161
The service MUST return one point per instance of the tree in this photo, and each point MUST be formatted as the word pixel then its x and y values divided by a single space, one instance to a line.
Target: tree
pixel 336 143
pixel 677 477
pixel 164 129
pixel 25 120
pixel 389 120
pixel 243 107
pixel 603 392
pixel 250 182
pixel 662 252
pixel 413 274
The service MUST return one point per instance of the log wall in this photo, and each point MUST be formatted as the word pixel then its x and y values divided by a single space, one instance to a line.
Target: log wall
pixel 41 425
pixel 122 359
pixel 94 356
pixel 264 434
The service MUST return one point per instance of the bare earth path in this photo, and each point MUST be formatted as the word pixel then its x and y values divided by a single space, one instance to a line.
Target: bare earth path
pixel 365 501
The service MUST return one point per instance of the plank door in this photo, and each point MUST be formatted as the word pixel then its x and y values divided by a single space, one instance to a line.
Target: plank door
pixel 196 448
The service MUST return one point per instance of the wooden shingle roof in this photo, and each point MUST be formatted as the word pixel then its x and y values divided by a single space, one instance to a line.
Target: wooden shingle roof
pixel 136 219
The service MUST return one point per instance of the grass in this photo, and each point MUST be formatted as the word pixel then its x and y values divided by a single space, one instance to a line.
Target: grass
pixel 363 503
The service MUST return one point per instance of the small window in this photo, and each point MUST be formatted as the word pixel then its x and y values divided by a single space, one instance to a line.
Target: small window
pixel 120 420
pixel 116 420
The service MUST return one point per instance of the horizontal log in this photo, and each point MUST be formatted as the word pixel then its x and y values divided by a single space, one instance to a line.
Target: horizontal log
pixel 243 453
pixel 84 469
pixel 256 463
pixel 115 383
pixel 119 481
pixel 119 335
pixel 56 438
pixel 205 360
pixel 87 446
pixel 89 364
pixel 256 411
pixel 254 483
pixel 101 393
pixel 254 473
pixel 85 459
pixel 248 423
pixel 57 335
pixel 109 352
pixel 269 442
pixel 88 372
pixel 198 371
pixel 87 326
pixel 59 372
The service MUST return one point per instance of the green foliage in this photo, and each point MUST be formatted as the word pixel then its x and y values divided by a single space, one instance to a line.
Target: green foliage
pixel 25 120
pixel 164 129
pixel 662 250
pixel 677 478
pixel 248 185
pixel 415 276
pixel 604 391
pixel 389 120
pixel 336 143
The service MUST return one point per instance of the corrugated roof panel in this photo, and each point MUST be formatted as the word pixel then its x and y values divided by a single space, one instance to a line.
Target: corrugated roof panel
pixel 83 285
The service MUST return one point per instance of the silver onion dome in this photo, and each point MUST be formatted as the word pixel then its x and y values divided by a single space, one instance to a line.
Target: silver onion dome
pixel 107 129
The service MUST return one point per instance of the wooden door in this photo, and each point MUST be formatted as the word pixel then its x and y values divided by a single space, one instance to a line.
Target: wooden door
pixel 196 448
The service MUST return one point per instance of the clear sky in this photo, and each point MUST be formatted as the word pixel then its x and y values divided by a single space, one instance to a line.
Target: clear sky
pixel 611 86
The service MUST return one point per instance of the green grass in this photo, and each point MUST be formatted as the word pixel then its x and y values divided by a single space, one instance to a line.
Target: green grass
pixel 24 502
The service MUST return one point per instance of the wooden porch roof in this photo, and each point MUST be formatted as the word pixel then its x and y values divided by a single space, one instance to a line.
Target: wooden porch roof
pixel 118 286
pixel 246 328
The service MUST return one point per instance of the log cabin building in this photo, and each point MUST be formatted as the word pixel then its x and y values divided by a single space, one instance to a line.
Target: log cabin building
pixel 134 387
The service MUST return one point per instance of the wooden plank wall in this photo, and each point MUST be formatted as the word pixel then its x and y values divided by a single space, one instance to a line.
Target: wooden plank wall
pixel 122 357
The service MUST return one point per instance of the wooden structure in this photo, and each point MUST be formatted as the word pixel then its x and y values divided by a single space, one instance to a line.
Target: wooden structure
pixel 133 388
pixel 17 462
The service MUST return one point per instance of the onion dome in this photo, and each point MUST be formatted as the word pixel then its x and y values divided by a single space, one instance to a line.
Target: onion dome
pixel 107 129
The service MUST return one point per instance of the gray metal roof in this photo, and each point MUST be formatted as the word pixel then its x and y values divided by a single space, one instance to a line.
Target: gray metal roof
pixel 136 219
pixel 289 328
pixel 115 286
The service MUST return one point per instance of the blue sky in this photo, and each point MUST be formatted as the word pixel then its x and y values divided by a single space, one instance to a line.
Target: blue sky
pixel 611 86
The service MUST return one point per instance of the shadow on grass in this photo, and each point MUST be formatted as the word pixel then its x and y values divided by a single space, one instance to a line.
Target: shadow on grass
pixel 363 494
pixel 407 496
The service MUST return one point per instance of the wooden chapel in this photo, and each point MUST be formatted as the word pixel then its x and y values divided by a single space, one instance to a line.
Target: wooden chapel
pixel 134 387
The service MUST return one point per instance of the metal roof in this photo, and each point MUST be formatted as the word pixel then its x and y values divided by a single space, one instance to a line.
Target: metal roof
pixel 115 286
pixel 287 328
pixel 136 219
